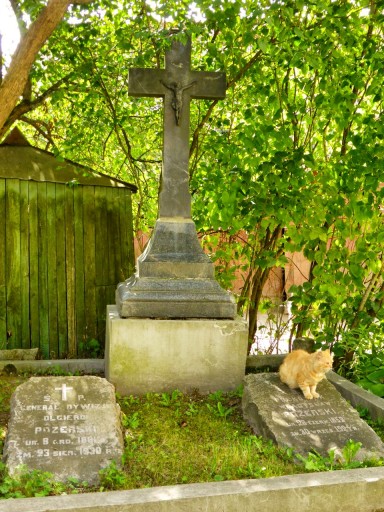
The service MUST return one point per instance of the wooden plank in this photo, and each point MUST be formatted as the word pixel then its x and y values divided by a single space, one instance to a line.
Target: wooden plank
pixel 34 266
pixel 61 271
pixel 103 297
pixel 3 291
pixel 51 235
pixel 90 267
pixel 101 237
pixel 12 265
pixel 79 266
pixel 70 270
pixel 42 244
pixel 113 232
pixel 3 317
pixel 25 334
pixel 126 233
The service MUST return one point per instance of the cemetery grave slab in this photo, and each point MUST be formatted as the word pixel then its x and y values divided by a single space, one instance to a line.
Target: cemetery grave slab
pixel 68 426
pixel 285 416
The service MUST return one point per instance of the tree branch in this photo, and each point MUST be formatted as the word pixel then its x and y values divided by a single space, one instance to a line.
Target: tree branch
pixel 30 44
pixel 27 106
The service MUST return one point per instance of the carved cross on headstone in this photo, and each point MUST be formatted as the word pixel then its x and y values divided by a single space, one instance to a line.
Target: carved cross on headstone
pixel 63 390
pixel 177 84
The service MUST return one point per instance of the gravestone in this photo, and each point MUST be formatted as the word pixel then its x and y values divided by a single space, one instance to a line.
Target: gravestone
pixel 68 426
pixel 174 277
pixel 191 329
pixel 279 413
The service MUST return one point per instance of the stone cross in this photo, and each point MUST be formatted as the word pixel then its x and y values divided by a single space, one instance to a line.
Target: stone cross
pixel 177 84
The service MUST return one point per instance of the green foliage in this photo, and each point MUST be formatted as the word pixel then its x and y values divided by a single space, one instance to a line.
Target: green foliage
pixel 316 462
pixel 220 410
pixel 193 439
pixel 112 478
pixel 91 349
pixel 168 399
pixel 290 161
pixel 377 425
pixel 34 483
pixel 367 366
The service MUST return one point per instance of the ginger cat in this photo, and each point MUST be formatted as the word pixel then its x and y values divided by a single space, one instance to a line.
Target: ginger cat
pixel 303 370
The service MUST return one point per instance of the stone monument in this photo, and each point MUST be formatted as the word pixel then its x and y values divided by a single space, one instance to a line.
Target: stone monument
pixel 174 278
pixel 68 426
pixel 285 416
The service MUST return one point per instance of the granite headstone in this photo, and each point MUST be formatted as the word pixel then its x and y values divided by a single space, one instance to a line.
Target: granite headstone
pixel 68 426
pixel 279 413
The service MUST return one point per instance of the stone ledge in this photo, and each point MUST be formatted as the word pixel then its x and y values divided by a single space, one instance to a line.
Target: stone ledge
pixel 358 490
pixel 19 354
pixel 92 366
pixel 358 396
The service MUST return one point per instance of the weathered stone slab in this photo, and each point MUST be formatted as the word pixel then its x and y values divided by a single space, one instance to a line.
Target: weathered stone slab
pixel 285 416
pixel 69 426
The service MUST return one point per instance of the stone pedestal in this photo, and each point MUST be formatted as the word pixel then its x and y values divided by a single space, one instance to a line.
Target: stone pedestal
pixel 174 278
pixel 154 355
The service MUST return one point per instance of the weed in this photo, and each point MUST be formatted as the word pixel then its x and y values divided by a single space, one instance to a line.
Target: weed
pixel 168 399
pixel 377 425
pixel 90 348
pixel 192 410
pixel 131 421
pixel 33 483
pixel 56 371
pixel 349 451
pixel 316 462
pixel 216 396
pixel 220 410
pixel 112 478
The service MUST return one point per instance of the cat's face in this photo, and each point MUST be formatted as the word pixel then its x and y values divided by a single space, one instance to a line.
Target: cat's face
pixel 323 360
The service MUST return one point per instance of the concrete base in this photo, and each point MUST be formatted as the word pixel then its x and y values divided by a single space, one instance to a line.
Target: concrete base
pixel 355 490
pixel 149 355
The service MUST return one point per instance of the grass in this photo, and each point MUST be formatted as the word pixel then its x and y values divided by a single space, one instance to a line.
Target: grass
pixel 176 438
pixel 172 438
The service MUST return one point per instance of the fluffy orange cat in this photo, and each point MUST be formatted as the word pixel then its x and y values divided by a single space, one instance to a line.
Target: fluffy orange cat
pixel 303 370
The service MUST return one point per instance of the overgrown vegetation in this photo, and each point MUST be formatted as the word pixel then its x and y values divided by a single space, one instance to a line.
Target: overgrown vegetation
pixel 290 161
pixel 363 363
pixel 175 438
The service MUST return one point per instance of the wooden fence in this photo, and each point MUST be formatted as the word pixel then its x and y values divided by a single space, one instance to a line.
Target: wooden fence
pixel 63 249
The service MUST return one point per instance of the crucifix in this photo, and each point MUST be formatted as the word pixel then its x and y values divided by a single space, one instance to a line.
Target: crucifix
pixel 174 278
pixel 177 84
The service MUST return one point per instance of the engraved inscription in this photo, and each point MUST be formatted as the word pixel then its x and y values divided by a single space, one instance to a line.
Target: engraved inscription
pixel 69 426
pixel 307 418
pixel 70 420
